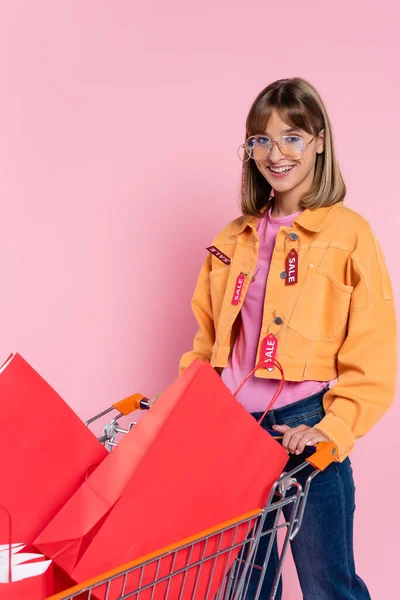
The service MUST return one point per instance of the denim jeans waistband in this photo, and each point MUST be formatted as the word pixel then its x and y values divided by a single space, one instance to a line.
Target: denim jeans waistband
pixel 301 410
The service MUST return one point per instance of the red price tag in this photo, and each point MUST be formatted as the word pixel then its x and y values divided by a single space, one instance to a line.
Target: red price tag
pixel 222 257
pixel 238 289
pixel 269 347
pixel 292 267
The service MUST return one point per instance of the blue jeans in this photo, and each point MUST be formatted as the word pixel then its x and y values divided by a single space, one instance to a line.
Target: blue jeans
pixel 323 548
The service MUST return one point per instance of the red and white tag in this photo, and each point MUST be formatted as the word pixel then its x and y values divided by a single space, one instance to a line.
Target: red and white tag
pixel 292 267
pixel 269 347
pixel 238 289
pixel 223 257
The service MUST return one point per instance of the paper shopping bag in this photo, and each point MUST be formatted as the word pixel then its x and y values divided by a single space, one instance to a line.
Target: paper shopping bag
pixel 47 450
pixel 196 459
pixel 24 575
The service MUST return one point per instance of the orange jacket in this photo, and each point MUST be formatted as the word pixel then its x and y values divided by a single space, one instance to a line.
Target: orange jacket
pixel 337 322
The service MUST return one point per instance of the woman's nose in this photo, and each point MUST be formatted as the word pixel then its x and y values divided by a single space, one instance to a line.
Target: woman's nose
pixel 275 154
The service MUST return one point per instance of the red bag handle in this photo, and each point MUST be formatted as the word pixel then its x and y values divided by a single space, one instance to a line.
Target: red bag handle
pixel 9 542
pixel 261 364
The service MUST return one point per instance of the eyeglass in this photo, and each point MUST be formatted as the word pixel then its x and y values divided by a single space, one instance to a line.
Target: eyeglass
pixel 259 146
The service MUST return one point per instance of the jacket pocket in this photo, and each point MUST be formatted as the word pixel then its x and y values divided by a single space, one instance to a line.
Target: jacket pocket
pixel 322 307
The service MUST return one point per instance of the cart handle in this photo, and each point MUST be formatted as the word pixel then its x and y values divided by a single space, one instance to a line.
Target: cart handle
pixel 132 403
pixel 319 456
pixel 325 454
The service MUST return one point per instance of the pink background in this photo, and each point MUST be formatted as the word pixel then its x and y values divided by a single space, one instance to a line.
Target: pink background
pixel 119 124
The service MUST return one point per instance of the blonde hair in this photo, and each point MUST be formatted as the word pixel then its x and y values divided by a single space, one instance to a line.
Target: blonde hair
pixel 299 104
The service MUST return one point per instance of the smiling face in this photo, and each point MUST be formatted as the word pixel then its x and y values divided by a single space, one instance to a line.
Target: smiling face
pixel 287 176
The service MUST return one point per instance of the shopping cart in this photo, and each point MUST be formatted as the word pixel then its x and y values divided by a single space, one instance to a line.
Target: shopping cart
pixel 188 560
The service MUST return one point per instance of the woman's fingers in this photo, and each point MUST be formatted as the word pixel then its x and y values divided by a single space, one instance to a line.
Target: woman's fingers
pixel 291 436
pixel 280 428
pixel 309 438
pixel 295 439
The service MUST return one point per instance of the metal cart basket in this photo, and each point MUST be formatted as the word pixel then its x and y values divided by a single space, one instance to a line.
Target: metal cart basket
pixel 166 566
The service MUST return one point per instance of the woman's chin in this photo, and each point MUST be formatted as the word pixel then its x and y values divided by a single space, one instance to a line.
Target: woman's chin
pixel 281 186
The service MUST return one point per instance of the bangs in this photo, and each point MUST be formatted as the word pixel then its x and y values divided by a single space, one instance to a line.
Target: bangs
pixel 290 108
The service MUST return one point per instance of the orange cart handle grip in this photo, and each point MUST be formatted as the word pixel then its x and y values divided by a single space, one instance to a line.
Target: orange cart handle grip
pixel 132 403
pixel 325 454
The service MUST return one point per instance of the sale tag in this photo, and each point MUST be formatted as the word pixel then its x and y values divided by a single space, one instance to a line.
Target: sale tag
pixel 238 289
pixel 292 267
pixel 223 257
pixel 269 347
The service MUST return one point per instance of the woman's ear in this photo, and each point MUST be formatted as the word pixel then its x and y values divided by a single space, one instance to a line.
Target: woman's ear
pixel 321 142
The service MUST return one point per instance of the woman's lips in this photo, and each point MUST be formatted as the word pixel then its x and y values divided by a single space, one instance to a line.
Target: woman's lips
pixel 283 174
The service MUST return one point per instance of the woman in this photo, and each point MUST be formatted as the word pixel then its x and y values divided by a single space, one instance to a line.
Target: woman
pixel 301 277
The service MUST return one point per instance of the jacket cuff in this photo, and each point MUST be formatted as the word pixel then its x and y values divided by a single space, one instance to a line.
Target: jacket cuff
pixel 338 432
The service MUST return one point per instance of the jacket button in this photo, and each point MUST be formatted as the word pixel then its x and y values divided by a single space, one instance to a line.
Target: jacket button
pixel 278 321
pixel 293 236
pixel 283 275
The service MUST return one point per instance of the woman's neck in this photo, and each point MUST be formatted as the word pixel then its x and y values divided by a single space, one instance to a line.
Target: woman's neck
pixel 282 207
pixel 288 203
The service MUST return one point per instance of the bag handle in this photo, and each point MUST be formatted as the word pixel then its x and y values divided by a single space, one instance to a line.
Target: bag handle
pixel 326 452
pixel 9 543
pixel 261 364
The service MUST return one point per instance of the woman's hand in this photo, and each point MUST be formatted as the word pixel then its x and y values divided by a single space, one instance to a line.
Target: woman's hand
pixel 295 439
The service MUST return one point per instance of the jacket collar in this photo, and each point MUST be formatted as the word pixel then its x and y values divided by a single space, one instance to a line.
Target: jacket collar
pixel 310 219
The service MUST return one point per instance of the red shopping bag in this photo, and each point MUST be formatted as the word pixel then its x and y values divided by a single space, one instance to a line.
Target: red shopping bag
pixel 38 587
pixel 47 450
pixel 36 583
pixel 22 574
pixel 196 459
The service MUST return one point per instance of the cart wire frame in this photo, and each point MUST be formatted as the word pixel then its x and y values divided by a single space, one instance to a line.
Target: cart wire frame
pixel 236 575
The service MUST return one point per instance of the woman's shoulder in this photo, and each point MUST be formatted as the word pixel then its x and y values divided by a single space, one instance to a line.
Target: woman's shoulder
pixel 351 231
pixel 350 223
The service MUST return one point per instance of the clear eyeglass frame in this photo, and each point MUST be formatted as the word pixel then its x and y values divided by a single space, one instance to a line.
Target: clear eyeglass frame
pixel 247 153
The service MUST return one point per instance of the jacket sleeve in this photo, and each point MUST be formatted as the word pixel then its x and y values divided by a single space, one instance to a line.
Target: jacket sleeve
pixel 202 309
pixel 367 360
